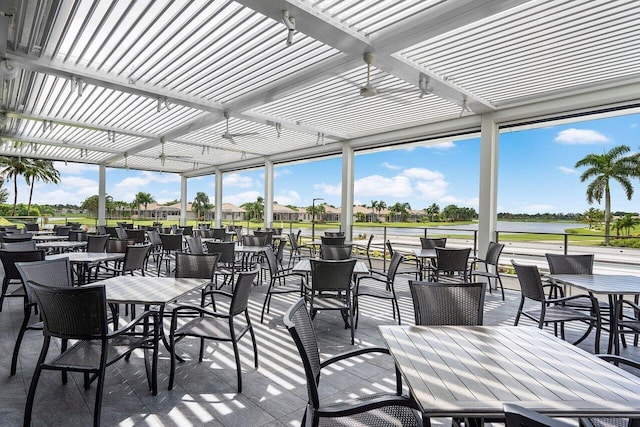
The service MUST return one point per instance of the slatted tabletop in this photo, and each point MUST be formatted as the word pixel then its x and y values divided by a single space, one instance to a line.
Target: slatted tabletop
pixel 61 245
pixel 473 371
pixel 50 238
pixel 88 257
pixel 601 283
pixel 304 266
pixel 425 253
pixel 148 289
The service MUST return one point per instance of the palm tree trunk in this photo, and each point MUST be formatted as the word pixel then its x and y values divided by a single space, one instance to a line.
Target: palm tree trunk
pixel 30 197
pixel 15 196
pixel 607 214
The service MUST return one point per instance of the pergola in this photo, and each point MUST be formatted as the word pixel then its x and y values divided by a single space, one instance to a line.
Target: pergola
pixel 163 85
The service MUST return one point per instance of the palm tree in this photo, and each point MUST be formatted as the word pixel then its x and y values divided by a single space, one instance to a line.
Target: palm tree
pixel 254 209
pixel 380 206
pixel 40 170
pixel 12 168
pixel 614 164
pixel 201 203
pixel 143 199
pixel 374 205
pixel 401 209
pixel 432 211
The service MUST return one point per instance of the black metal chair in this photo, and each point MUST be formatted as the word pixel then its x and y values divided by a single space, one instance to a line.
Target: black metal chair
pixel 11 273
pixel 447 304
pixel 16 238
pixel 331 289
pixel 336 252
pixel 332 241
pixel 280 281
pixel 194 243
pixel 139 236
pixel 248 240
pixel 32 226
pixel 553 310
pixel 490 263
pixel 373 410
pixel 429 243
pixel 171 244
pixel 198 266
pixel 334 234
pixel 295 250
pixel 226 262
pixel 81 314
pixel 56 273
pixel 517 416
pixel 372 286
pixel 451 265
pixel 62 230
pixel 217 326
pixel 410 267
pixel 29 245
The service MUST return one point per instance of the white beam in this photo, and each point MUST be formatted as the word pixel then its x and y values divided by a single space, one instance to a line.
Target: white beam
pixel 348 172
pixel 268 193
pixel 183 200
pixel 488 192
pixel 102 195
pixel 218 197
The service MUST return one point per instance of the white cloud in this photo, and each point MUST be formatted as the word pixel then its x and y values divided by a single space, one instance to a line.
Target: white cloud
pixel 74 168
pixel 634 125
pixel 440 146
pixel 288 198
pixel 378 186
pixel 241 198
pixel 432 189
pixel 537 208
pixel 568 171
pixel 237 180
pixel 280 172
pixel 390 166
pixel 581 136
pixel 421 173
pixel 328 189
pixel 459 201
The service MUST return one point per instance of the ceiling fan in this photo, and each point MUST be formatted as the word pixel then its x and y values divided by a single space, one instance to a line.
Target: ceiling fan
pixel 369 90
pixel 164 156
pixel 230 136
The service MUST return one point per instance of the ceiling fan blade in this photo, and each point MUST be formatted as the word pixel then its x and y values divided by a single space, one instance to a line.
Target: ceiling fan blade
pixel 234 135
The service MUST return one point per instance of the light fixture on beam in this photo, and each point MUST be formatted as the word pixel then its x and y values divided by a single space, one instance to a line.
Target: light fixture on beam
pixel 9 71
pixel 278 129
pixel 290 23
pixel 423 85
pixel 320 139
pixel 163 101
pixel 77 85
pixel 465 106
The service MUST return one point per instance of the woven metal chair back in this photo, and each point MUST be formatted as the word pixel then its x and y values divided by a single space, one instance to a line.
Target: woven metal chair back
pixel 394 264
pixel 111 231
pixel 77 235
pixel 118 245
pixel 187 230
pixel 293 241
pixel 219 233
pixel 179 231
pixel 62 230
pixel 268 236
pixel 10 258
pixel 447 304
pixel 196 266
pixel 195 244
pixel 32 226
pixel 368 251
pixel 570 264
pixel 226 251
pixel 74 225
pixel 16 238
pixel 28 245
pixel 331 275
pixel 298 322
pixel 55 272
pixel 97 243
pixel 280 251
pixel 135 257
pixel 171 242
pixel 272 262
pixel 493 253
pixel 334 234
pixel 154 237
pixel 332 241
pixel 452 260
pixel 428 243
pixel 101 229
pixel 121 232
pixel 530 282
pixel 138 236
pixel 254 240
pixel 72 313
pixel 336 252
pixel 241 292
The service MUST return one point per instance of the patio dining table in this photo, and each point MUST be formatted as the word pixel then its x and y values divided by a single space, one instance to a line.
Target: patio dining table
pixel 49 238
pixel 455 371
pixel 82 260
pixel 61 246
pixel 424 255
pixel 614 286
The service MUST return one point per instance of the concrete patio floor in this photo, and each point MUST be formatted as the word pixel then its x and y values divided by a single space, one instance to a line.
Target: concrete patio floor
pixel 205 393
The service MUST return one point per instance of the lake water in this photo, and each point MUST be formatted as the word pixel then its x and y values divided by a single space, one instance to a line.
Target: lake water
pixel 508 226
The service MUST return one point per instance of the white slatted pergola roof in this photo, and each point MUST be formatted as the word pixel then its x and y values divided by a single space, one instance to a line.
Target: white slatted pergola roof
pixel 145 84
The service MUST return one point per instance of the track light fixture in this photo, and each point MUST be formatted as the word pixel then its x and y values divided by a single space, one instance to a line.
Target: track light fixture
pixel 77 85
pixel 320 139
pixel 9 71
pixel 465 106
pixel 46 125
pixel 163 101
pixel 423 85
pixel 290 23
pixel 278 129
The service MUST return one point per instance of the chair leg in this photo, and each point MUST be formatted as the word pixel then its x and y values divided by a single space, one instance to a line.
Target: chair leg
pixel 5 287
pixel 99 392
pixel 16 348
pixel 255 345
pixel 238 366
pixel 501 287
pixel 28 409
pixel 515 323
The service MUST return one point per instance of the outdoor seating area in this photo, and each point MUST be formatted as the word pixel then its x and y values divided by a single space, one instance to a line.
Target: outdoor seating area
pixel 246 365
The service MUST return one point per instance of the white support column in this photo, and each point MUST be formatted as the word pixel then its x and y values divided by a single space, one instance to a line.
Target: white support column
pixel 183 200
pixel 218 198
pixel 102 195
pixel 268 193
pixel 488 194
pixel 346 221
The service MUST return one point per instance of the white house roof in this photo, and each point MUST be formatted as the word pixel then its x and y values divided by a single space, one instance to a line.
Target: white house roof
pixel 146 85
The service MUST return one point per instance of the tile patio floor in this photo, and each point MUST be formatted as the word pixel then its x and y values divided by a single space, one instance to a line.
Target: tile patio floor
pixel 205 393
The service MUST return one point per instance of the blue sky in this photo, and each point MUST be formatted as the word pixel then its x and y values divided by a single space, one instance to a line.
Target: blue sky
pixel 535 174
